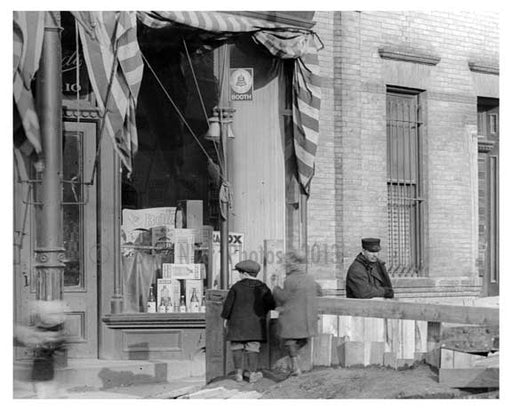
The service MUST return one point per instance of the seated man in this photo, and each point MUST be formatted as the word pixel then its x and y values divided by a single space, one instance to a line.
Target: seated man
pixel 367 276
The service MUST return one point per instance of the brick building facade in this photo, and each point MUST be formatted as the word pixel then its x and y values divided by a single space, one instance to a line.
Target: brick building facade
pixel 450 64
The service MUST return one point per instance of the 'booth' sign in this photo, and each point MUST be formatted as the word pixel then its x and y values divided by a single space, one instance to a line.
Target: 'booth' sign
pixel 241 82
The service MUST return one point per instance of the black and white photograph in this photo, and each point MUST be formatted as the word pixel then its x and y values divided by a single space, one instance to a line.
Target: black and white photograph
pixel 219 203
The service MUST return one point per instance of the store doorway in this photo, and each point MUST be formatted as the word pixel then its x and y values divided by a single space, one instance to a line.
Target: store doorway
pixel 79 240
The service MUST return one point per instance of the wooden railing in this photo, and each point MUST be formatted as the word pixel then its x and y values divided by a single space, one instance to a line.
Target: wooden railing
pixel 396 309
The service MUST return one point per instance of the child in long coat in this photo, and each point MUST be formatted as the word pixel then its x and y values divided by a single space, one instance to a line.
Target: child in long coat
pixel 298 307
pixel 245 313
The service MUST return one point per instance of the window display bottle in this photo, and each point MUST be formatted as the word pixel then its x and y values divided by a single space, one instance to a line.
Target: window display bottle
pixel 162 307
pixel 183 305
pixel 203 305
pixel 151 304
pixel 194 301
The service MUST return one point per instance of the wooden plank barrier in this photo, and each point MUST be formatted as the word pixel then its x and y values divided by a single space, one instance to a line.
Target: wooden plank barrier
pixel 362 332
pixel 395 333
pixel 394 309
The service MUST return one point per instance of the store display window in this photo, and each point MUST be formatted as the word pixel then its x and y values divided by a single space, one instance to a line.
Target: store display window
pixel 170 199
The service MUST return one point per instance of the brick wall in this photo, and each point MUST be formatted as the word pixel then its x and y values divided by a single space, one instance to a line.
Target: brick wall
pixel 349 193
pixel 322 219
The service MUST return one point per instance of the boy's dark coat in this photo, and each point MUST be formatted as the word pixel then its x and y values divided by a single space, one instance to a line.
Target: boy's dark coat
pixel 246 307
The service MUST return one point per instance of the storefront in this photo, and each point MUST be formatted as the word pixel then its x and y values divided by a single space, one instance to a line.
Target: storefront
pixel 226 124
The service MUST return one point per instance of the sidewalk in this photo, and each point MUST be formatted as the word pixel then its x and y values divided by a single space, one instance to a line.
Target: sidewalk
pixel 167 390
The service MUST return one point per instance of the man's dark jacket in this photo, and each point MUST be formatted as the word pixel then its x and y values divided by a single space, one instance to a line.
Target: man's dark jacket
pixel 246 307
pixel 368 280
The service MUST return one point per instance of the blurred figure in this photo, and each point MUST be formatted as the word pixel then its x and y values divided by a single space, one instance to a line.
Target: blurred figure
pixel 298 307
pixel 45 337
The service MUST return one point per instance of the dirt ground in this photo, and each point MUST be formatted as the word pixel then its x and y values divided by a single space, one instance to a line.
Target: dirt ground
pixel 419 382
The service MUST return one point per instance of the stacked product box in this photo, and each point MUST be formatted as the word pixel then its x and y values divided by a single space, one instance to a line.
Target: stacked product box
pixel 187 276
pixel 168 295
pixel 184 246
pixel 183 271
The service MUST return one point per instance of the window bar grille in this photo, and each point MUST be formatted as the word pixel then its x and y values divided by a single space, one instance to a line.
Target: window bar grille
pixel 403 186
pixel 399 238
pixel 419 192
pixel 391 225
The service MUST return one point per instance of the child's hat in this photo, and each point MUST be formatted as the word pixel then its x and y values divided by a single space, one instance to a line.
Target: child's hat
pixel 49 313
pixel 249 266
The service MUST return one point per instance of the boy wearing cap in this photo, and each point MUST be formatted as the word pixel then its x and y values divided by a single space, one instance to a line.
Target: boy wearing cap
pixel 367 277
pixel 245 313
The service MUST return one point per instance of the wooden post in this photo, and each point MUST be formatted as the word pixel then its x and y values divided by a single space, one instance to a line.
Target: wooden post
pixel 215 336
pixel 433 338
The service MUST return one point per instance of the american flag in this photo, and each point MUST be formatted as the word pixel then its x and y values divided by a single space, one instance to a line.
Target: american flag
pixel 115 67
pixel 28 32
pixel 306 97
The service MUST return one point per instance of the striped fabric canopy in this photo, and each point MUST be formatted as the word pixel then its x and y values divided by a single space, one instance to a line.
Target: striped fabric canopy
pixel 213 21
pixel 283 42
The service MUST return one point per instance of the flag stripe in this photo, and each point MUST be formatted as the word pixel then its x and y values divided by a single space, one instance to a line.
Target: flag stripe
pixel 28 33
pixel 115 67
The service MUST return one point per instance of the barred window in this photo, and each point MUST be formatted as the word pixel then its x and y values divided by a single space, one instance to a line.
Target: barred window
pixel 405 204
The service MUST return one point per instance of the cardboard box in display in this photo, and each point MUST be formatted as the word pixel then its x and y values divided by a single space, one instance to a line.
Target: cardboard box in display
pixel 170 289
pixel 235 251
pixel 184 245
pixel 136 223
pixel 148 218
pixel 189 214
pixel 183 271
pixel 164 294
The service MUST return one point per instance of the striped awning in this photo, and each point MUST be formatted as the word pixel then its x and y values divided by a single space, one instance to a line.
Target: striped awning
pixel 213 21
pixel 282 41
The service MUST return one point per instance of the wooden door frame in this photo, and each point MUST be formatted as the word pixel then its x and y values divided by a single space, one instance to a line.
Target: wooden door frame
pixel 84 344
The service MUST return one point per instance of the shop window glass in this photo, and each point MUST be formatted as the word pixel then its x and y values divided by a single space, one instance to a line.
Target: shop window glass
pixel 72 208
pixel 169 200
